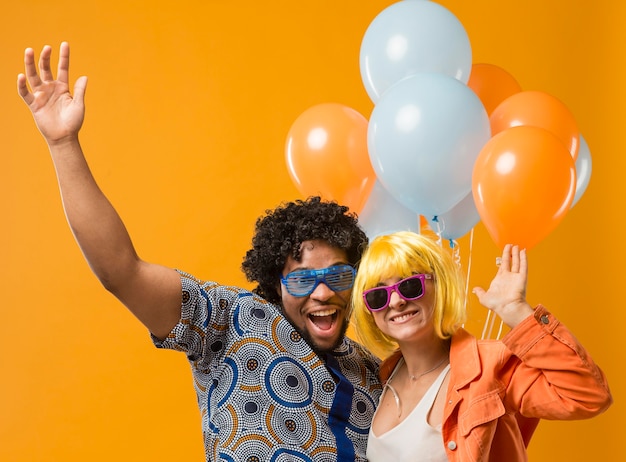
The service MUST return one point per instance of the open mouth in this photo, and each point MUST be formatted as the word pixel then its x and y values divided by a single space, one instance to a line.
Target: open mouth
pixel 403 317
pixel 324 320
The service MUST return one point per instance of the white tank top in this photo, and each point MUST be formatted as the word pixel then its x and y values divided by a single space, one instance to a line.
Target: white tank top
pixel 413 439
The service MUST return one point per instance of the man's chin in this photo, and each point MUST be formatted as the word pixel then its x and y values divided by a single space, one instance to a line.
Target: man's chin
pixel 325 345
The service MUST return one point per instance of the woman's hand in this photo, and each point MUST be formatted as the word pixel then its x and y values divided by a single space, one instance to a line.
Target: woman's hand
pixel 507 292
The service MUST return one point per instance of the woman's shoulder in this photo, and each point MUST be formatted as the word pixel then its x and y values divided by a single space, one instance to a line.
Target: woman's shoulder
pixel 388 365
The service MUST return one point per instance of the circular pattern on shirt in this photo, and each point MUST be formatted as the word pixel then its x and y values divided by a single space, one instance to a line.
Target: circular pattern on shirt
pixel 251 414
pixel 250 354
pixel 292 428
pixel 228 378
pixel 252 448
pixel 288 383
pixel 258 313
pixel 326 389
pixel 352 366
pixel 289 455
pixel 328 386
pixel 251 408
pixel 216 346
pixel 288 339
pixel 254 317
pixel 226 422
pixel 363 408
pixel 325 454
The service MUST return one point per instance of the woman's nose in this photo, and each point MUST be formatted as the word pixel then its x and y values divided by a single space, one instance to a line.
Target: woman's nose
pixel 395 301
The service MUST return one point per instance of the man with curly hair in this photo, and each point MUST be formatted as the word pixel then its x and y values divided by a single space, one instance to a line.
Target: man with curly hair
pixel 275 375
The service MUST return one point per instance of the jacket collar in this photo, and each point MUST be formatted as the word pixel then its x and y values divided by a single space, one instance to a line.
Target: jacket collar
pixel 463 357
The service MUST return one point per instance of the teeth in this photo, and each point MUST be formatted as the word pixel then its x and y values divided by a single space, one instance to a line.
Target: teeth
pixel 403 317
pixel 324 313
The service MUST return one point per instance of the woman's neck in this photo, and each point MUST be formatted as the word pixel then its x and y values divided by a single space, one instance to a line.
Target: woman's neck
pixel 426 357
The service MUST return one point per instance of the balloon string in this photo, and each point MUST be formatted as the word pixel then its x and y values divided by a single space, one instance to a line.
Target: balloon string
pixel 438 231
pixel 482 336
pixel 469 269
pixel 493 320
pixel 490 320
pixel 469 266
pixel 500 330
pixel 456 252
pixel 491 317
pixel 456 255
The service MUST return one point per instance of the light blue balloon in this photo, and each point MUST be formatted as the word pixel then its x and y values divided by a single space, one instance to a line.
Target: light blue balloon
pixel 410 37
pixel 424 136
pixel 383 214
pixel 458 221
pixel 583 170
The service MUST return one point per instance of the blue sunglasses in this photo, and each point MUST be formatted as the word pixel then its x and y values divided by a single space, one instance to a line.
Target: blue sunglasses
pixel 302 283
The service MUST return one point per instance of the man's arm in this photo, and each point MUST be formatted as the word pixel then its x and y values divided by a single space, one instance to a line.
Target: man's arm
pixel 151 292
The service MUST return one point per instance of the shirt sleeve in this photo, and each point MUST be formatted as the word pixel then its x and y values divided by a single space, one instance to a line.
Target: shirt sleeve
pixel 557 378
pixel 191 334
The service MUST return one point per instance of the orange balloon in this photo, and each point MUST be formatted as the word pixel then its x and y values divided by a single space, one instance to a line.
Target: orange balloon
pixel 326 154
pixel 492 84
pixel 523 183
pixel 537 109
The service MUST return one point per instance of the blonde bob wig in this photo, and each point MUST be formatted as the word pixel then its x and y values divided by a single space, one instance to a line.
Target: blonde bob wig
pixel 401 255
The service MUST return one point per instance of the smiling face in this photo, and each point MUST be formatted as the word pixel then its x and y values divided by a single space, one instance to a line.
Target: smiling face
pixel 407 321
pixel 321 317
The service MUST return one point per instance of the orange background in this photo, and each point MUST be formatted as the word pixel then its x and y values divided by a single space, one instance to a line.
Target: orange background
pixel 188 107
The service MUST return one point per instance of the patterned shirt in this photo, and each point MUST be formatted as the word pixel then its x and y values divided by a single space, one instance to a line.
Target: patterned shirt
pixel 263 393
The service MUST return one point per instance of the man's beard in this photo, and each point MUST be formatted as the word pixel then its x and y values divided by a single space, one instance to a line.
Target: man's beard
pixel 315 347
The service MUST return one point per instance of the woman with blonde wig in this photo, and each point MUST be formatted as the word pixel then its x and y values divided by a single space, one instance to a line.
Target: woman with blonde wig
pixel 447 395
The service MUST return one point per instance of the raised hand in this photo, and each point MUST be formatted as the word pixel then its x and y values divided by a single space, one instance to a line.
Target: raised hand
pixel 507 292
pixel 58 115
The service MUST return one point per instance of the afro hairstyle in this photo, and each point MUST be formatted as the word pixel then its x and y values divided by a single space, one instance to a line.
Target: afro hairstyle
pixel 280 233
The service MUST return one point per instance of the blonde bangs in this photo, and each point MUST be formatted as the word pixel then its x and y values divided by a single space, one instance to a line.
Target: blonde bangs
pixel 402 254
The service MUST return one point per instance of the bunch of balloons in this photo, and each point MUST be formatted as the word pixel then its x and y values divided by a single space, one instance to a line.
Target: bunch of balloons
pixel 449 140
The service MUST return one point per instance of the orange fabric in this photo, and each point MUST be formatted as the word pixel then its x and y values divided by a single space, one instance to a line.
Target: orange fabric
pixel 500 389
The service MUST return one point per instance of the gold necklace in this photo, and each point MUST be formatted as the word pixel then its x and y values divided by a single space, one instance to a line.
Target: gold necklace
pixel 419 376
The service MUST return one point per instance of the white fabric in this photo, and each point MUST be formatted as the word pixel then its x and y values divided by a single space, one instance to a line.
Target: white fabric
pixel 413 439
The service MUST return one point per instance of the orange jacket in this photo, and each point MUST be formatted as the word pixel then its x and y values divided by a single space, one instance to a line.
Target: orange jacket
pixel 500 389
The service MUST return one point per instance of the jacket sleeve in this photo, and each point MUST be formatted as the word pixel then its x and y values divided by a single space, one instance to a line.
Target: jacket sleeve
pixel 556 379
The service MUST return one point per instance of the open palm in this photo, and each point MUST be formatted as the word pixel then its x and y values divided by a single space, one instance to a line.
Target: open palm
pixel 57 113
pixel 506 295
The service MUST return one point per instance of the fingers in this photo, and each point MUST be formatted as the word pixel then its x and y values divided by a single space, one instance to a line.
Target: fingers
pixel 29 68
pixel 79 89
pixel 513 259
pixel 22 89
pixel 35 79
pixel 44 64
pixel 523 262
pixel 45 72
pixel 505 260
pixel 64 63
pixel 479 292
